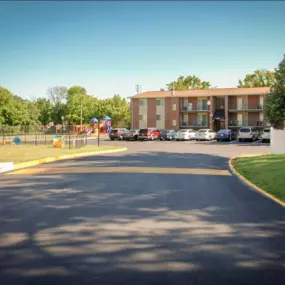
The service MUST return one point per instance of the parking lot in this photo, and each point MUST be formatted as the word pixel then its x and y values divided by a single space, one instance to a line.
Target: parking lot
pixel 221 148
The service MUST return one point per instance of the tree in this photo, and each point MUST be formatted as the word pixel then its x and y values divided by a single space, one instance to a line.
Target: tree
pixel 57 94
pixel 260 78
pixel 275 101
pixel 45 110
pixel 187 83
pixel 76 98
pixel 118 109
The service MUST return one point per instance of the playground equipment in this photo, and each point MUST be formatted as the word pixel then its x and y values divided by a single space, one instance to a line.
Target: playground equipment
pixel 105 125
pixel 58 142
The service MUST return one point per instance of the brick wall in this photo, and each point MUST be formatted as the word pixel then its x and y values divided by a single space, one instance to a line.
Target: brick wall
pixel 232 117
pixel 175 115
pixel 135 114
pixel 194 101
pixel 192 117
pixel 253 101
pixel 232 102
pixel 253 118
pixel 168 111
pixel 151 113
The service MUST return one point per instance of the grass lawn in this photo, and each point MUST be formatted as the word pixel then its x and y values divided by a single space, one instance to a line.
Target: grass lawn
pixel 21 153
pixel 266 171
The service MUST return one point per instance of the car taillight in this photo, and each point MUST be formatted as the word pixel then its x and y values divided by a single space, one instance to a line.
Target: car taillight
pixel 250 134
pixel 148 134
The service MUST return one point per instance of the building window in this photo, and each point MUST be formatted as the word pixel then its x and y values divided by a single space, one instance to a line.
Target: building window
pixel 142 102
pixel 174 123
pixel 158 117
pixel 173 107
pixel 142 117
pixel 202 104
pixel 220 103
pixel 159 102
pixel 202 120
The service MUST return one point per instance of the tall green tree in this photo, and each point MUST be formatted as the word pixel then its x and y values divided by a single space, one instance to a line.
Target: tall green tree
pixel 118 109
pixel 76 99
pixel 260 78
pixel 187 83
pixel 45 110
pixel 275 101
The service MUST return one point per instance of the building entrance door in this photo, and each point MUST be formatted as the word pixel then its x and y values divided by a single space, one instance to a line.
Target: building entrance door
pixel 219 125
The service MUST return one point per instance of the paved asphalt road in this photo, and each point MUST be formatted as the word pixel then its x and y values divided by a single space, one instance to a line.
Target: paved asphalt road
pixel 160 213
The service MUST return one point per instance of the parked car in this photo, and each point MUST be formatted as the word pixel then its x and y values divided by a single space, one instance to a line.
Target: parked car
pixel 185 134
pixel 164 134
pixel 148 134
pixel 171 135
pixel 266 134
pixel 223 135
pixel 205 134
pixel 117 133
pixel 248 133
pixel 131 135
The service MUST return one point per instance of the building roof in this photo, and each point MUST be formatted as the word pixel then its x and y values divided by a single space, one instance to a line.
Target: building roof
pixel 204 92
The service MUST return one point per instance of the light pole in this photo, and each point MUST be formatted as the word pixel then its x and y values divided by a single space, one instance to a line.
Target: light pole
pixel 81 115
pixel 62 120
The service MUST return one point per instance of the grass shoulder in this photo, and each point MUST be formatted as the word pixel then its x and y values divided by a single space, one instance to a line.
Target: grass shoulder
pixel 23 153
pixel 266 171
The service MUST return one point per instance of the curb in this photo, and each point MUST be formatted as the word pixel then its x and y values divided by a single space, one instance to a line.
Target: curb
pixel 62 157
pixel 261 191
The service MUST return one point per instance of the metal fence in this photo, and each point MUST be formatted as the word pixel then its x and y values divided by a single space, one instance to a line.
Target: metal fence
pixel 39 135
pixel 69 141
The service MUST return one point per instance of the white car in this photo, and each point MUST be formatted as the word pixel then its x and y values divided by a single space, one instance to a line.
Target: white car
pixel 205 134
pixel 248 133
pixel 265 137
pixel 185 135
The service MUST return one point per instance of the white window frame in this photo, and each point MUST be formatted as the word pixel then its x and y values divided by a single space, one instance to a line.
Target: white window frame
pixel 174 123
pixel 173 107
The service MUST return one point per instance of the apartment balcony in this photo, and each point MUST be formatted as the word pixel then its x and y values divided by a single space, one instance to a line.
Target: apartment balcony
pixel 246 107
pixel 245 123
pixel 192 124
pixel 198 108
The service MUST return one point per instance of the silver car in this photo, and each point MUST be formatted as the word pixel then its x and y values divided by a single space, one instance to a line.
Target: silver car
pixel 265 137
pixel 248 133
pixel 205 134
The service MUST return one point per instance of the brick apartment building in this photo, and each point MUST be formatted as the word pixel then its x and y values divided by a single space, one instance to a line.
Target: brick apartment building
pixel 219 108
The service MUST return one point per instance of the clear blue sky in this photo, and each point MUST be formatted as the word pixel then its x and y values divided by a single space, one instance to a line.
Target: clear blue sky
pixel 109 47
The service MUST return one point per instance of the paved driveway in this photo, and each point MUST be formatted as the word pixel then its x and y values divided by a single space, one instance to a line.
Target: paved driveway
pixel 160 213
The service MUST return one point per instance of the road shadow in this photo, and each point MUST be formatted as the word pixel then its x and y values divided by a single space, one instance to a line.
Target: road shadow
pixel 139 228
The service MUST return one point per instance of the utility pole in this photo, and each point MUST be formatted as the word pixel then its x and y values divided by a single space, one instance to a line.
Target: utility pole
pixel 138 89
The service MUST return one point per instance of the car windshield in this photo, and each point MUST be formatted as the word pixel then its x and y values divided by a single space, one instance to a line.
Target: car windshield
pixel 142 131
pixel 132 131
pixel 266 131
pixel 244 130
pixel 165 132
pixel 114 131
pixel 223 131
pixel 202 131
pixel 182 131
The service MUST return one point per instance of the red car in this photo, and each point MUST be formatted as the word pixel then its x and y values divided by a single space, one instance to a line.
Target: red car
pixel 148 134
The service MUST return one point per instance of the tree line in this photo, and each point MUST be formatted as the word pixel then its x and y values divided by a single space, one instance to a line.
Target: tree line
pixel 62 105
pixel 67 104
